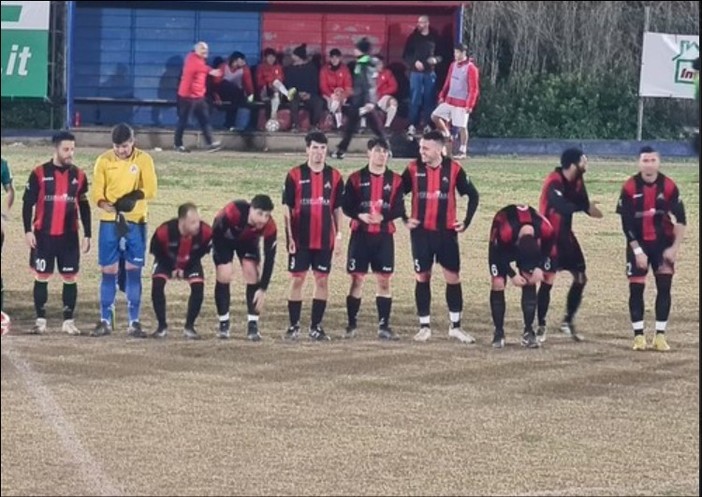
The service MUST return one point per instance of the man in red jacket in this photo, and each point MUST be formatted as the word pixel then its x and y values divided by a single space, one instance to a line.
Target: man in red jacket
pixel 386 88
pixel 235 87
pixel 191 96
pixel 335 84
pixel 458 97
pixel 269 82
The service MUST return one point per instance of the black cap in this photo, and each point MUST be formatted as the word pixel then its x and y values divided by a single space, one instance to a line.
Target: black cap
pixel 334 52
pixel 301 51
pixel 364 45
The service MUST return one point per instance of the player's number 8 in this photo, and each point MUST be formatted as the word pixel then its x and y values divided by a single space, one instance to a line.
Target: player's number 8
pixel 494 271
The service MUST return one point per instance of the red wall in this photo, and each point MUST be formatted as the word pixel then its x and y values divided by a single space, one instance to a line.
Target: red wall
pixel 322 32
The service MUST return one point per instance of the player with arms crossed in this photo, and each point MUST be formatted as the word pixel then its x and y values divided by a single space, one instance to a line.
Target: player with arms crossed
pixel 238 228
pixel 178 247
pixel 56 194
pixel 646 204
pixel 312 198
pixel 124 180
pixel 433 182
pixel 373 199
pixel 519 233
pixel 562 195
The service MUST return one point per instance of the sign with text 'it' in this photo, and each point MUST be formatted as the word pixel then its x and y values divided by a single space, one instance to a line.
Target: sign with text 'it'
pixel 25 49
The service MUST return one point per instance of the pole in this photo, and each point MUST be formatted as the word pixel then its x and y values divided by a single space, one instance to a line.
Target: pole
pixel 639 126
pixel 68 63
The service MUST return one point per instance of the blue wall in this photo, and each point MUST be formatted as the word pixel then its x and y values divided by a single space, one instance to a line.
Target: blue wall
pixel 138 53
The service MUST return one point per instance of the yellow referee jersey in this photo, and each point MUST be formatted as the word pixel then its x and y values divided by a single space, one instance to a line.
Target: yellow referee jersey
pixel 115 177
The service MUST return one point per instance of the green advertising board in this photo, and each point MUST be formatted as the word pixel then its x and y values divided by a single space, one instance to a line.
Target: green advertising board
pixel 25 49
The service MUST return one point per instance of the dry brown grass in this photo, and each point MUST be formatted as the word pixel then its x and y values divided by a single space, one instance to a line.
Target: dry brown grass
pixel 356 417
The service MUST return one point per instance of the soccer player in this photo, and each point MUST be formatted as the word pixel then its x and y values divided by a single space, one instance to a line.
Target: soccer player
pixel 647 201
pixel 433 182
pixel 54 199
pixel 518 234
pixel 312 197
pixel 458 97
pixel 124 180
pixel 9 188
pixel 238 228
pixel 178 247
pixel 563 194
pixel 373 199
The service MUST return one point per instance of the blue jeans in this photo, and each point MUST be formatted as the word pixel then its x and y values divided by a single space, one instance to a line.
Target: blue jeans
pixel 422 96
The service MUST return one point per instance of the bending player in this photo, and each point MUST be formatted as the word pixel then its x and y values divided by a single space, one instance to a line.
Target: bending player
pixel 178 247
pixel 518 234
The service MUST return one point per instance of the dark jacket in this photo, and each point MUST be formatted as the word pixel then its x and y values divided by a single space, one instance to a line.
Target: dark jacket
pixel 421 48
pixel 365 77
pixel 304 77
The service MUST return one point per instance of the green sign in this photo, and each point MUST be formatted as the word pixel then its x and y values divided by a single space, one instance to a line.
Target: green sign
pixel 25 49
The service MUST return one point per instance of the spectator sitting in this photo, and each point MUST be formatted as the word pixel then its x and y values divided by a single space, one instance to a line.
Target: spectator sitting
pixel 386 90
pixel 269 82
pixel 234 86
pixel 335 84
pixel 303 76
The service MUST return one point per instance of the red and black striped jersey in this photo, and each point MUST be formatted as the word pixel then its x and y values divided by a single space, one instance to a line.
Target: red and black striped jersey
pixel 560 199
pixel 312 198
pixel 368 193
pixel 57 195
pixel 504 233
pixel 645 208
pixel 176 251
pixel 232 223
pixel 434 190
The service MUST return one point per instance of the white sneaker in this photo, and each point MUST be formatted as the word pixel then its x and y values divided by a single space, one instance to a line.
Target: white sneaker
pixel 461 335
pixel 39 326
pixel 69 326
pixel 423 335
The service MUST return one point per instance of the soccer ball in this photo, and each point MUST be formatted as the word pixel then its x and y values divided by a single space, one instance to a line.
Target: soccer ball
pixel 272 125
pixel 5 323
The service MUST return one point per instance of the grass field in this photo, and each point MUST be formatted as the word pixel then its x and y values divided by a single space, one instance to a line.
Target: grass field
pixel 114 416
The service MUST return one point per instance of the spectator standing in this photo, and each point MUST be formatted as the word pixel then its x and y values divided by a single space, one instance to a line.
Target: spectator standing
pixel 421 58
pixel 191 96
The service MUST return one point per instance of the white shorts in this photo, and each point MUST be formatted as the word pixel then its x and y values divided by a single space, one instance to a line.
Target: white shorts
pixel 457 115
pixel 384 102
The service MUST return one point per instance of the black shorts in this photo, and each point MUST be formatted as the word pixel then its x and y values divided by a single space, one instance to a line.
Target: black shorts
pixel 303 259
pixel 654 251
pixel 376 250
pixel 193 272
pixel 62 249
pixel 567 256
pixel 439 246
pixel 223 250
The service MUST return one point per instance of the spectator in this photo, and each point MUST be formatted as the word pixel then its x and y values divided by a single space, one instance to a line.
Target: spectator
pixel 364 98
pixel 269 82
pixel 387 89
pixel 421 58
pixel 335 84
pixel 458 97
pixel 235 87
pixel 191 96
pixel 303 76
